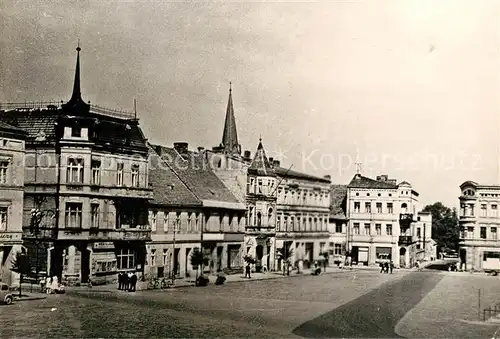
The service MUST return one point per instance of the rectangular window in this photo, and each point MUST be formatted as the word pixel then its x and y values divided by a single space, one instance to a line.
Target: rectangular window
pixel 367 229
pixel 177 222
pixel 494 233
pixel 368 207
pixel 390 208
pixel 338 249
pixel 126 259
pixel 356 228
pixel 76 132
pixel 153 221
pixel 483 210
pixel 338 228
pixel 357 207
pixel 379 207
pixel 96 172
pixel 165 257
pixel 470 232
pixel 483 233
pixel 94 215
pixel 378 229
pixel 418 232
pixel 135 175
pixel 73 215
pixel 166 220
pixel 278 223
pixel 388 229
pixel 153 257
pixel 75 171
pixel 3 218
pixel 4 167
pixel 190 222
pixel 119 174
pixel 259 186
pixel 494 210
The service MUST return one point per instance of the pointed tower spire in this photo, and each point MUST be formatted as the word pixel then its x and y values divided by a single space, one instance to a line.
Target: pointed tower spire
pixel 76 103
pixel 230 136
pixel 260 163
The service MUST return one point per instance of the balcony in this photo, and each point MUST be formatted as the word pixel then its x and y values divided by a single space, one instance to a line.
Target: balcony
pixel 405 220
pixel 139 233
pixel 260 229
pixel 405 240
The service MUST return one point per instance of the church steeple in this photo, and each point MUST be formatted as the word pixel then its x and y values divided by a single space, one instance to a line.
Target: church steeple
pixel 260 163
pixel 230 137
pixel 76 103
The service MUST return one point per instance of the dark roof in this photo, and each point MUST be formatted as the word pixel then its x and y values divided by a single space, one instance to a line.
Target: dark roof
pixel 230 135
pixel 260 164
pixel 104 130
pixel 285 172
pixel 360 181
pixel 196 173
pixel 338 199
pixel 168 188
pixel 10 131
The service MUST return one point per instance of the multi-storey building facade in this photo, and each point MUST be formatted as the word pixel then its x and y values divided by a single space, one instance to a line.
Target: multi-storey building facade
pixel 381 217
pixel 302 201
pixel 86 188
pixel 479 222
pixel 12 141
pixel 337 226
pixel 425 246
pixel 191 209
pixel 261 210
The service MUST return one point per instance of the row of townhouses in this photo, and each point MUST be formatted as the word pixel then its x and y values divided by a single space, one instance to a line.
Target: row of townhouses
pixel 86 195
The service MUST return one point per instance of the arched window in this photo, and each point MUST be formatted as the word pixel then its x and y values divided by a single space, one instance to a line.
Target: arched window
pixel 404 207
pixel 270 217
pixel 259 219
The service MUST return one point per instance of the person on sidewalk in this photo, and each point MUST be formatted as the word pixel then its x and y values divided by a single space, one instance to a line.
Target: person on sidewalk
pixel 381 267
pixel 120 281
pixel 129 281
pixel 133 282
pixel 247 271
pixel 125 281
pixel 391 266
pixel 386 267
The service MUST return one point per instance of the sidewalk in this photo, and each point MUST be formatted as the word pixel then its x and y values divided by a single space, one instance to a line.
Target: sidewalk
pixel 232 278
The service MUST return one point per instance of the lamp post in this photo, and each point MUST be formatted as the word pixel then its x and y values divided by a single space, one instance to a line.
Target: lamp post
pixel 177 222
pixel 36 218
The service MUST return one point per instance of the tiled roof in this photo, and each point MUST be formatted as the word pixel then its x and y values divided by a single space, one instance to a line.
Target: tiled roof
pixel 404 183
pixel 10 131
pixel 260 163
pixel 285 172
pixel 197 175
pixel 168 189
pixel 338 196
pixel 105 130
pixel 360 181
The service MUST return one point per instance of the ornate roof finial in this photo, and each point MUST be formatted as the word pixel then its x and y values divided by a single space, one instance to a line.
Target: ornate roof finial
pixel 76 103
pixel 230 87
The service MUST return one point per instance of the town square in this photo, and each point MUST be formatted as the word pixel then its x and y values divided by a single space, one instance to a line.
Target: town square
pixel 245 169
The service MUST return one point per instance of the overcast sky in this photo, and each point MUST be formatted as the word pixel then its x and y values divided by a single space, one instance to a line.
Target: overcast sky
pixel 410 86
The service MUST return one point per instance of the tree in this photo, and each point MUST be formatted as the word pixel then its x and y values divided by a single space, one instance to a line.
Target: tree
pixel 20 265
pixel 445 230
pixel 285 254
pixel 198 259
pixel 249 259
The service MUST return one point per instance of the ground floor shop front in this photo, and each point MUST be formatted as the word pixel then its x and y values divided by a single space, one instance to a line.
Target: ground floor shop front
pixel 100 262
pixel 480 258
pixel 305 252
pixel 374 253
pixel 166 259
pixel 8 252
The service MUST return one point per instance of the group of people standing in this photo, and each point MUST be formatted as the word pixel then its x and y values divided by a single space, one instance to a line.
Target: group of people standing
pixel 386 266
pixel 127 281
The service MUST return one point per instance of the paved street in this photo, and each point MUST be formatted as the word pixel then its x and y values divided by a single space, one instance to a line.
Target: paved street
pixel 348 304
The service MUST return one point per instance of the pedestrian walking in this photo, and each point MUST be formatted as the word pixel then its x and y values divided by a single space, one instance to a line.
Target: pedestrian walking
pixel 386 267
pixel 133 282
pixel 125 282
pixel 381 267
pixel 391 266
pixel 120 281
pixel 247 271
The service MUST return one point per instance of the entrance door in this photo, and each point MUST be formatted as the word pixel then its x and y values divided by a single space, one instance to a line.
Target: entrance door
pixel 220 249
pixel 268 257
pixel 259 252
pixel 309 254
pixel 402 257
pixel 85 265
pixel 176 261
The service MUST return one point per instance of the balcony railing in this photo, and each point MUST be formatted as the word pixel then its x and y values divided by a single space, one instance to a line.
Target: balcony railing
pixel 405 240
pixel 406 217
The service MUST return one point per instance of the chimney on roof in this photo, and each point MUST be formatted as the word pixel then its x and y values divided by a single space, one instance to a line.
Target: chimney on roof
pixel 328 177
pixel 247 155
pixel 201 149
pixel 271 161
pixel 157 149
pixel 277 163
pixel 181 147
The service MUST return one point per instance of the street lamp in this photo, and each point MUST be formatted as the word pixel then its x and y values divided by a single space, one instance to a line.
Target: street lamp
pixel 36 218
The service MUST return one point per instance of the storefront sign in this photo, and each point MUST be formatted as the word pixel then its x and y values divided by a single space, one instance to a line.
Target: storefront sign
pixel 10 237
pixel 104 245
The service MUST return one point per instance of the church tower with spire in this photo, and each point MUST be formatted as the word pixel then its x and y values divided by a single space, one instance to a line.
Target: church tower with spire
pixel 229 144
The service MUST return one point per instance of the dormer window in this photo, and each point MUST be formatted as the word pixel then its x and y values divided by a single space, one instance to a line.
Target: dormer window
pixel 76 132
